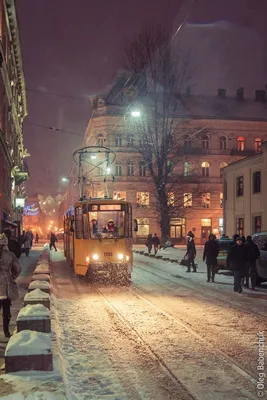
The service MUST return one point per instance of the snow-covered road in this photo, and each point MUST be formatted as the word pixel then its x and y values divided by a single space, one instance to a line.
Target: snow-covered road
pixel 166 336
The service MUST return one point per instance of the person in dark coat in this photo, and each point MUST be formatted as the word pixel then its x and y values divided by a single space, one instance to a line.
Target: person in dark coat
pixel 13 245
pixel 149 243
pixel 253 254
pixel 53 240
pixel 191 254
pixel 156 243
pixel 210 254
pixel 236 261
pixel 235 236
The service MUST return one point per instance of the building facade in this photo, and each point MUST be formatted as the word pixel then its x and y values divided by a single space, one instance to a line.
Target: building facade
pixel 13 110
pixel 245 190
pixel 224 130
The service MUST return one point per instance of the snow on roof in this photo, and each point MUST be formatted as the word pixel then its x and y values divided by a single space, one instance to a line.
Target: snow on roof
pixel 39 284
pixel 36 294
pixel 40 277
pixel 42 269
pixel 26 343
pixel 33 311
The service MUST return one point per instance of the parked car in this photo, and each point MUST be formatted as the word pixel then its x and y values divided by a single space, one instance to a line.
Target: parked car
pixel 224 246
pixel 261 241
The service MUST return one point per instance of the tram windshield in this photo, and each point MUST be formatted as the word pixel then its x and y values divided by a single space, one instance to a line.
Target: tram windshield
pixel 107 224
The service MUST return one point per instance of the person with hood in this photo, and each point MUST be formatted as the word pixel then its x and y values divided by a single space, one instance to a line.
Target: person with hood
pixel 149 243
pixel 236 261
pixel 10 269
pixel 53 240
pixel 235 236
pixel 253 254
pixel 13 245
pixel 156 243
pixel 210 254
pixel 27 243
pixel 191 253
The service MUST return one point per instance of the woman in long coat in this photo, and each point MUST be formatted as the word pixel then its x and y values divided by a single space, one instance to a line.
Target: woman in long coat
pixel 10 269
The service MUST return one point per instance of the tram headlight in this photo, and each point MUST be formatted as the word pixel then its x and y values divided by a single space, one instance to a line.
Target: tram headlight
pixel 87 259
pixel 120 256
pixel 127 258
pixel 95 257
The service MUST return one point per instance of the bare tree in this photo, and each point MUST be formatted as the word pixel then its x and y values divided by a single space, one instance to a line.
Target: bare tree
pixel 158 132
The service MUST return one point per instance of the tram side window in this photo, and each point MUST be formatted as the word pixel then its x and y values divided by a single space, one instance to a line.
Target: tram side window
pixel 78 223
pixel 85 223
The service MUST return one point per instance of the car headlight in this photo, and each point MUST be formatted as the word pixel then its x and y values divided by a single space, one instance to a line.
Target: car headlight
pixel 95 257
pixel 120 256
pixel 87 259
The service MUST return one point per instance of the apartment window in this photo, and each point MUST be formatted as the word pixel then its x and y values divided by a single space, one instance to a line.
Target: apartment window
pixel 131 140
pixel 187 141
pixel 222 165
pixel 119 196
pixel 221 200
pixel 223 142
pixel 205 142
pixel 143 227
pixel 130 168
pixel 206 200
pixel 205 169
pixel 100 195
pixel 239 186
pixel 188 200
pixel 170 199
pixel 257 182
pixel 240 143
pixel 240 226
pixel 118 170
pixel 142 168
pixel 118 140
pixel 100 140
pixel 257 144
pixel 257 224
pixel 187 168
pixel 142 199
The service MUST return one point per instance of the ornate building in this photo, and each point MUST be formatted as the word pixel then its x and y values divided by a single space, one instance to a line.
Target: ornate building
pixel 226 129
pixel 13 110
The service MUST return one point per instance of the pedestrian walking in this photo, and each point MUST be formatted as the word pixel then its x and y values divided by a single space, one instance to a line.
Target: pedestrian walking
pixel 210 254
pixel 253 254
pixel 156 243
pixel 191 253
pixel 10 269
pixel 53 240
pixel 149 243
pixel 13 245
pixel 27 243
pixel 236 261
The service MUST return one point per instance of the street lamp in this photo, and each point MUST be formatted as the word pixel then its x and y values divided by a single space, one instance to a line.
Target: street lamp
pixel 135 113
pixel 64 179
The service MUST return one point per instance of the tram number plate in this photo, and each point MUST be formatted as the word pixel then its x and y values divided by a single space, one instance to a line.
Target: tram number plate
pixel 108 254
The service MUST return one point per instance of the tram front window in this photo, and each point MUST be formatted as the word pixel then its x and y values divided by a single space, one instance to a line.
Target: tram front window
pixel 107 224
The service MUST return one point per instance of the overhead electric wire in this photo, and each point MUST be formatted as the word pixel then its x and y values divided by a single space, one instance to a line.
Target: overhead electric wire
pixel 52 128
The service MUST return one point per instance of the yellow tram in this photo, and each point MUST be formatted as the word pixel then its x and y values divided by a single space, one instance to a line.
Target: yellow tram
pixel 98 239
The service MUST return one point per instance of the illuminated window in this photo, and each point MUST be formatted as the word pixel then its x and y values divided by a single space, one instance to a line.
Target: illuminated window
pixel 257 224
pixel 222 165
pixel 143 227
pixel 205 142
pixel 206 200
pixel 142 168
pixel 240 143
pixel 205 169
pixel 100 140
pixel 119 196
pixel 118 140
pixel 142 199
pixel 170 199
pixel 187 168
pixel 240 226
pixel 130 168
pixel 223 142
pixel 188 200
pixel 100 195
pixel 221 200
pixel 257 144
pixel 118 169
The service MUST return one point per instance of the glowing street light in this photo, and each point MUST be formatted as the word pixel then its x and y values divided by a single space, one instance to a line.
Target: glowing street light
pixel 64 179
pixel 135 113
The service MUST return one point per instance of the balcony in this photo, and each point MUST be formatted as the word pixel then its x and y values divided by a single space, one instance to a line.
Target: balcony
pixel 21 174
pixel 243 153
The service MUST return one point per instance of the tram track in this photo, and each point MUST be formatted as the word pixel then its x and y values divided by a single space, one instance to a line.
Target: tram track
pixel 238 368
pixel 206 295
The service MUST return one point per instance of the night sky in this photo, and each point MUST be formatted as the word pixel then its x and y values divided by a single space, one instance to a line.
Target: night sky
pixel 75 47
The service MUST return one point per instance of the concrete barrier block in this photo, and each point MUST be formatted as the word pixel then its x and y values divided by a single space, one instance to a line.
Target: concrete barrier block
pixel 159 256
pixel 164 258
pixel 37 296
pixel 42 285
pixel 42 269
pixel 41 277
pixel 29 351
pixel 152 255
pixel 34 317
